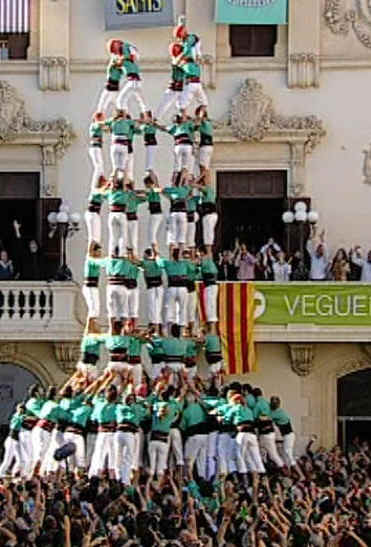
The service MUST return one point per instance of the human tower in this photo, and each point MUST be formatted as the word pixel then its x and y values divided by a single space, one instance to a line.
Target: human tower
pixel 170 282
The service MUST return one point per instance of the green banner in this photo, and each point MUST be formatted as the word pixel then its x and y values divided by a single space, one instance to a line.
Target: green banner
pixel 314 303
pixel 251 12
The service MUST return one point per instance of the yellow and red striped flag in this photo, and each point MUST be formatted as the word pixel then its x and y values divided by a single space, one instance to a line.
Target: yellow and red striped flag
pixel 236 324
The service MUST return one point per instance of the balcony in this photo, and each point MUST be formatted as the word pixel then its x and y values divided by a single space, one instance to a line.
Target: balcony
pixel 33 310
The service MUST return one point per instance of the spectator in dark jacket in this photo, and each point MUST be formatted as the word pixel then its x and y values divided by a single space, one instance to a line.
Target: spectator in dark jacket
pixel 29 257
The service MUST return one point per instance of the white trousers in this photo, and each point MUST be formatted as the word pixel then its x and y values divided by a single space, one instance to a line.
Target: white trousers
pixel 117 301
pixel 91 295
pixel 103 450
pixel 12 450
pixel 195 451
pixel 153 227
pixel 193 90
pixel 225 451
pixel 25 441
pixel 132 88
pixel 288 449
pixel 208 228
pixel 268 443
pixel 249 458
pixel 211 453
pixel 158 454
pixel 191 307
pixel 214 369
pixel 49 464
pixel 130 166
pixel 94 226
pixel 117 230
pixel 206 153
pixel 40 443
pixel 156 370
pixel 183 157
pixel 96 156
pixel 133 303
pixel 155 298
pixel 132 242
pixel 178 227
pixel 168 99
pixel 139 450
pixel 211 303
pixel 191 232
pixel 119 156
pixel 90 445
pixel 124 448
pixel 174 296
pixel 176 446
pixel 106 99
pixel 151 150
pixel 78 460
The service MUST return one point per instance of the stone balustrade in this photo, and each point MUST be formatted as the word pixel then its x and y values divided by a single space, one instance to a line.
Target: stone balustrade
pixel 39 311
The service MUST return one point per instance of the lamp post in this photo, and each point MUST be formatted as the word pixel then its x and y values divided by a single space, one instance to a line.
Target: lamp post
pixel 302 217
pixel 65 224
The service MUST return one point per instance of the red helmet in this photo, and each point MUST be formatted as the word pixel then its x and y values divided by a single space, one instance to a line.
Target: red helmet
pixel 175 49
pixel 114 44
pixel 180 32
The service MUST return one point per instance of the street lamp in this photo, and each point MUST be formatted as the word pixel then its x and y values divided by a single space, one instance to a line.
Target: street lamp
pixel 301 216
pixel 65 224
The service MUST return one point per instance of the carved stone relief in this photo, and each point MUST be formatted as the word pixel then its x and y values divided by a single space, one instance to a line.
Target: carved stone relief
pixel 302 358
pixel 303 70
pixel 67 354
pixel 341 16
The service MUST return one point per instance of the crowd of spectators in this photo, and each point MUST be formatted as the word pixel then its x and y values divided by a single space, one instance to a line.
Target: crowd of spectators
pixel 272 263
pixel 331 506
pixel 24 261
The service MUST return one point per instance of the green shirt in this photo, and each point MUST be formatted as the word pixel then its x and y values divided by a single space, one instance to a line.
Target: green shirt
pixel 114 72
pixel 133 272
pixel 193 414
pixel 192 70
pixel 177 74
pixel 189 44
pixel 71 403
pixel 117 267
pixel 192 203
pixel 213 343
pixel 208 194
pixel 153 197
pixel 129 413
pixel 262 408
pixel 238 414
pixel 251 402
pixel 175 193
pixel 212 402
pixel 193 349
pixel 131 68
pixel 280 416
pixel 96 133
pixel 104 412
pixel 81 415
pixel 206 128
pixel 52 412
pixel 155 349
pixel 34 406
pixel 152 267
pixel 193 271
pixel 209 271
pixel 164 422
pixel 117 197
pixel 187 128
pixel 176 268
pixel 121 127
pixel 134 201
pixel 91 343
pixel 16 421
pixel 174 347
pixel 135 346
pixel 117 342
pixel 96 198
pixel 92 267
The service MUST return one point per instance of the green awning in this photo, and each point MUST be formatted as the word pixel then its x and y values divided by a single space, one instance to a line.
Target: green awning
pixel 251 12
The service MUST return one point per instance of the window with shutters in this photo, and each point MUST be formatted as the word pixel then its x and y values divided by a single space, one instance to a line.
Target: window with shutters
pixel 252 40
pixel 14 29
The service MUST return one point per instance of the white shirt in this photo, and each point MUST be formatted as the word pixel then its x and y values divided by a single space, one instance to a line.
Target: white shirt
pixel 319 264
pixel 366 268
pixel 281 272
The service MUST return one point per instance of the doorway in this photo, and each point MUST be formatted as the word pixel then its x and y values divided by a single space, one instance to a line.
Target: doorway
pixel 354 407
pixel 250 206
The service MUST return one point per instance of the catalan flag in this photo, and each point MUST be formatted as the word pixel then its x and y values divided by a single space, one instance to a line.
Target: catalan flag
pixel 236 324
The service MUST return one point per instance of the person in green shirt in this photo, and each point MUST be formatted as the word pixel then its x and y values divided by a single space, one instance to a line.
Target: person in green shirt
pixel 115 73
pixel 194 425
pixel 150 142
pixel 134 130
pixel 191 43
pixel 205 128
pixel 117 197
pixel 175 88
pixel 192 218
pixel 90 291
pixel 153 269
pixel 95 149
pixel 135 198
pixel 183 131
pixel 209 274
pixel 92 214
pixel 178 195
pixel 193 276
pixel 193 87
pixel 156 354
pixel 177 272
pixel 214 357
pixel 80 412
pixel 12 445
pixel 163 416
pixel 175 349
pixel 118 271
pixel 90 349
pixel 133 86
pixel 137 339
pixel 122 128
pixel 209 214
pixel 133 293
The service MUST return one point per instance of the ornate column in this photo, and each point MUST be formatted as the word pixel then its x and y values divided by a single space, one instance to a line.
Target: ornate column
pixel 54 70
pixel 304 44
pixel 302 357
